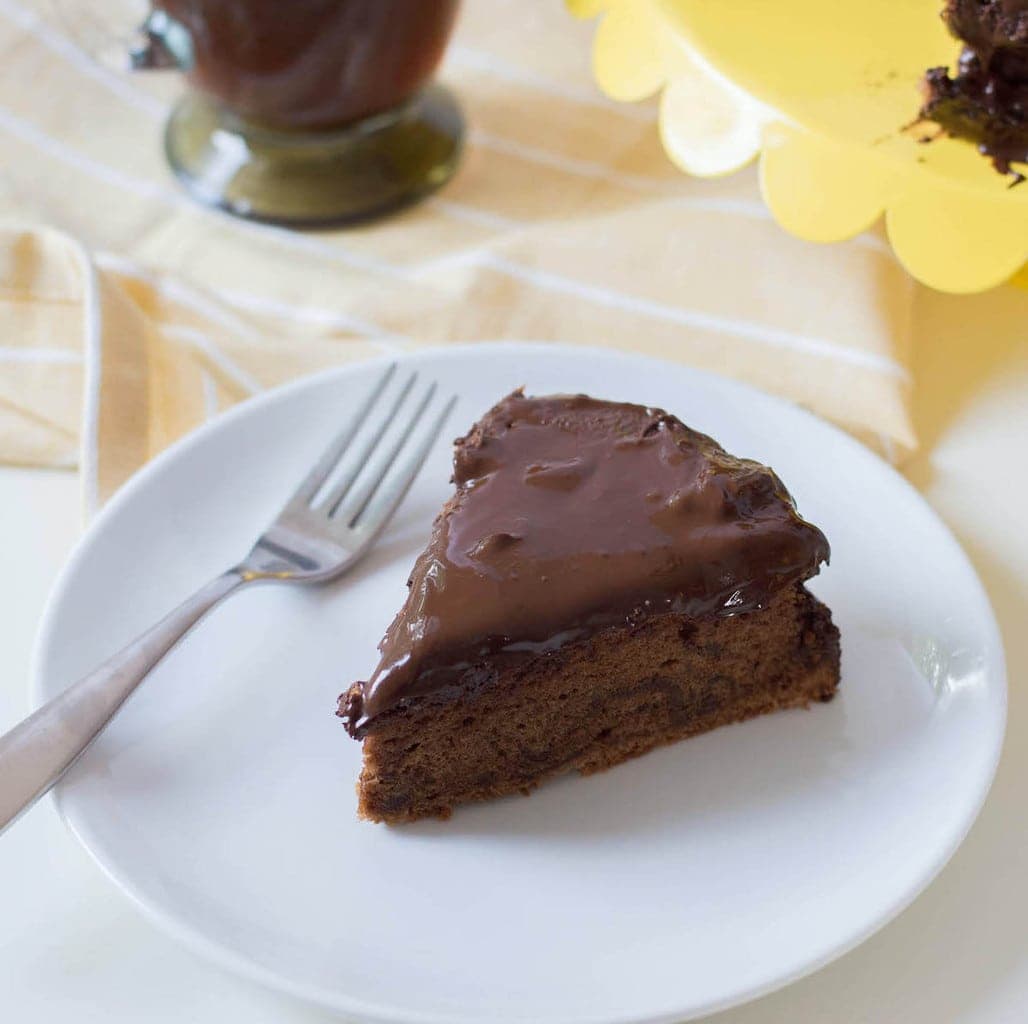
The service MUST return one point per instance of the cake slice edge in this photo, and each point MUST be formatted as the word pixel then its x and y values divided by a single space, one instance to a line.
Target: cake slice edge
pixel 595 703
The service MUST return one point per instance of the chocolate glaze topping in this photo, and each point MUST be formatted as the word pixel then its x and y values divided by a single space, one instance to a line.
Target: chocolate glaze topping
pixel 573 514
pixel 987 100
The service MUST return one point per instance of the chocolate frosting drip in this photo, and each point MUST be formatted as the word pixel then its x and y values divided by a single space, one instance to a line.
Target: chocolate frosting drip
pixel 573 514
pixel 987 100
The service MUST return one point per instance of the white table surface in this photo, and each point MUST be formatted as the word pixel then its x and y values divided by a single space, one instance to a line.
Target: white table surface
pixel 73 949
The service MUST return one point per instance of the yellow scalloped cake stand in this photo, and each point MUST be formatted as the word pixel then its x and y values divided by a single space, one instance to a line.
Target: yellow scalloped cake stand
pixel 824 94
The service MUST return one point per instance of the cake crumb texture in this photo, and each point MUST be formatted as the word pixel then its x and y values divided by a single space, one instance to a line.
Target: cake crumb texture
pixel 595 703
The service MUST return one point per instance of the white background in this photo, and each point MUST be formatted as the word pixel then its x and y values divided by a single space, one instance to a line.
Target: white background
pixel 73 949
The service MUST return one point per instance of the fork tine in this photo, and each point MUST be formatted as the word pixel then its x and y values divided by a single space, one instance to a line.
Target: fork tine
pixel 330 501
pixel 330 457
pixel 350 505
pixel 401 472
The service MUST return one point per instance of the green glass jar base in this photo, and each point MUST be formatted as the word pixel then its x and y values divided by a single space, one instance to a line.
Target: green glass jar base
pixel 315 179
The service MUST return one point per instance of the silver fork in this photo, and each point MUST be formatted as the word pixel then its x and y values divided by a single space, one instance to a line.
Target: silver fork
pixel 325 528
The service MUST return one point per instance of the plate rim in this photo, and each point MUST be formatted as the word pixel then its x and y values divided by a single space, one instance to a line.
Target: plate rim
pixel 332 1000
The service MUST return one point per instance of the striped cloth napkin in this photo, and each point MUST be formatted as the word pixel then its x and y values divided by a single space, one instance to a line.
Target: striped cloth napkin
pixel 129 315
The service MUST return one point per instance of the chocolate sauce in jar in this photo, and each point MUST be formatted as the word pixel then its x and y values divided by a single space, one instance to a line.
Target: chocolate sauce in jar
pixel 300 65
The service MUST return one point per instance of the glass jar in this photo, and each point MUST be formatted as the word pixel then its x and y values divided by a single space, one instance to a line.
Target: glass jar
pixel 307 111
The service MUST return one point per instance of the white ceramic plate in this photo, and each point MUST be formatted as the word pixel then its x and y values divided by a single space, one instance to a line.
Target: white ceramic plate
pixel 221 799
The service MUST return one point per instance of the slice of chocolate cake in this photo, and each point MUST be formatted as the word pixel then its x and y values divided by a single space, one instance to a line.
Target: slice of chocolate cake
pixel 603 581
pixel 986 101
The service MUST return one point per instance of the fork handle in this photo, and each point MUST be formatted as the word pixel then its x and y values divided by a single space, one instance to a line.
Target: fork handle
pixel 38 751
